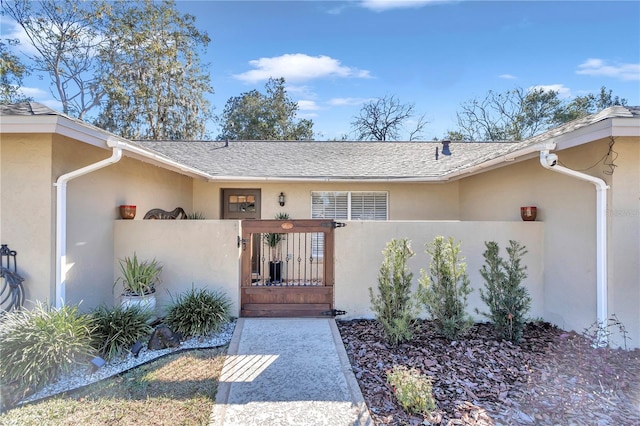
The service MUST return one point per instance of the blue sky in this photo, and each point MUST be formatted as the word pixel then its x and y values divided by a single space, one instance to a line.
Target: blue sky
pixel 436 54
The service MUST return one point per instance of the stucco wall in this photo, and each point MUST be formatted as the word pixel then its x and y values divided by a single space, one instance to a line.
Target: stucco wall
pixel 359 254
pixel 202 253
pixel 567 206
pixel 408 201
pixel 26 194
pixel 92 210
pixel 624 237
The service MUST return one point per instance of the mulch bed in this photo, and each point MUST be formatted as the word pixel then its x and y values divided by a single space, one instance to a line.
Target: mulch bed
pixel 552 377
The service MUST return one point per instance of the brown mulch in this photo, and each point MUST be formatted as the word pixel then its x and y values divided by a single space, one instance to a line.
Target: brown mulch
pixel 551 377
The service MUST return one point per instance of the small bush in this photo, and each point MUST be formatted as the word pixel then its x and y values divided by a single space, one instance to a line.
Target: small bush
pixel 40 344
pixel 445 289
pixel 196 216
pixel 507 299
pixel 198 312
pixel 412 389
pixel 118 328
pixel 394 305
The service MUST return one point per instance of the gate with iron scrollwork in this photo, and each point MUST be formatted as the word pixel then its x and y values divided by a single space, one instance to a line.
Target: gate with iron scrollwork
pixel 295 268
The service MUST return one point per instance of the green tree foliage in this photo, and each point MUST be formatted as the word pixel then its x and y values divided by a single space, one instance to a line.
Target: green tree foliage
pixel 394 305
pixel 508 300
pixel 445 288
pixel 270 116
pixel 12 71
pixel 518 114
pixel 151 73
pixel 66 44
pixel 588 104
pixel 383 119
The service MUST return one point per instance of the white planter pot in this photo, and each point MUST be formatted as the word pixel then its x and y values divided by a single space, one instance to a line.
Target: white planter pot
pixel 146 302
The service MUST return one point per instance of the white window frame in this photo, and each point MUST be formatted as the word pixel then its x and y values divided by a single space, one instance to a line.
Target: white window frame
pixel 317 242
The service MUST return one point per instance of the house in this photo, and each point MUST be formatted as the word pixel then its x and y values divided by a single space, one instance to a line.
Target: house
pixel 62 181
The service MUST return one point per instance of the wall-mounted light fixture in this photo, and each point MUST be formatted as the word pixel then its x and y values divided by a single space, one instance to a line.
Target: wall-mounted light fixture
pixel 281 199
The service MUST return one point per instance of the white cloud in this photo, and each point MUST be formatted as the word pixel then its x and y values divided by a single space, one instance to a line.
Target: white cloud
pixel 383 5
pixel 307 105
pixel 598 67
pixel 34 92
pixel 347 101
pixel 563 92
pixel 301 91
pixel 297 67
pixel 12 31
pixel 508 77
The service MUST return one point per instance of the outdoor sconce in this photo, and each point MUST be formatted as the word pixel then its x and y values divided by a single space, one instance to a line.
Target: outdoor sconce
pixel 281 199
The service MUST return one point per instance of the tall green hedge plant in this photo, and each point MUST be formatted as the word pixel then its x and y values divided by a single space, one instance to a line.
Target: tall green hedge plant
pixel 444 289
pixel 394 305
pixel 507 299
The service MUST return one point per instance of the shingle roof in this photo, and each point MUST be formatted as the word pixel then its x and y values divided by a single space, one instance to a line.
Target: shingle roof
pixel 352 160
pixel 336 160
pixel 308 159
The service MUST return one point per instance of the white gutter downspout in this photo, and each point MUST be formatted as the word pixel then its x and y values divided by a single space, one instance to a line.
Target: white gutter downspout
pixel 549 161
pixel 61 220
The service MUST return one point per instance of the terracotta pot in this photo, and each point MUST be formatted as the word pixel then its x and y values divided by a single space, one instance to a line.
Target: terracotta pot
pixel 528 213
pixel 127 212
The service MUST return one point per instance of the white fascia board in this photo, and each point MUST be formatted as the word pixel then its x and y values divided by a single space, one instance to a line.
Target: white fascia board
pixel 56 124
pixel 141 154
pixel 626 127
pixel 612 127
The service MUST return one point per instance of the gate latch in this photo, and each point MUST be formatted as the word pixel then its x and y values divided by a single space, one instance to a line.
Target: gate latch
pixel 242 241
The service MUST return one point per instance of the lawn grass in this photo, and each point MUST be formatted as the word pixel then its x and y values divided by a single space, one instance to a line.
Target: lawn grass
pixel 179 389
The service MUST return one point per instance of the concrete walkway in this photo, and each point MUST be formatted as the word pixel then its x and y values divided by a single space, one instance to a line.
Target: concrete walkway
pixel 289 371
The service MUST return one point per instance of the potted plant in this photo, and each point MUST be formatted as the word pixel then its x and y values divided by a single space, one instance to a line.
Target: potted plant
pixel 273 241
pixel 139 280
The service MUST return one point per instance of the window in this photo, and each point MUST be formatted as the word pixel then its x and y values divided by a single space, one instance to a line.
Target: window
pixel 349 205
pixel 345 206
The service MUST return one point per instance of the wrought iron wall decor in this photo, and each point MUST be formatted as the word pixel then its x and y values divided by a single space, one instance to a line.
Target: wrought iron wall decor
pixel 177 213
pixel 12 293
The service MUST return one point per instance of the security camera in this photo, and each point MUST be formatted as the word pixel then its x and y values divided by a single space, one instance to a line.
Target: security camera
pixel 551 159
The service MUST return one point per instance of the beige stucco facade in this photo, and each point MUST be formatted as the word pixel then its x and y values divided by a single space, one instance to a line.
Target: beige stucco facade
pixel 27 204
pixel 483 206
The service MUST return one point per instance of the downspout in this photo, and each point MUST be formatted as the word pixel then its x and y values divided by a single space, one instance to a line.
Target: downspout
pixel 550 161
pixel 61 219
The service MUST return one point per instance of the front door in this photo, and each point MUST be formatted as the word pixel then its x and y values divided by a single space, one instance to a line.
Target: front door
pixel 244 204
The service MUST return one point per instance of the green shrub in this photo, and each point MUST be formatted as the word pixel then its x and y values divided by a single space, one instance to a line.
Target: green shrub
pixel 394 305
pixel 412 389
pixel 198 312
pixel 507 299
pixel 139 278
pixel 118 328
pixel 445 289
pixel 196 216
pixel 40 344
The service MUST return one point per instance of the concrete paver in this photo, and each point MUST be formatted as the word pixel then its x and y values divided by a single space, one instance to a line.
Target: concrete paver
pixel 288 371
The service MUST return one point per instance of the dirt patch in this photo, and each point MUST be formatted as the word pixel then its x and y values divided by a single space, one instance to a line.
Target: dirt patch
pixel 552 377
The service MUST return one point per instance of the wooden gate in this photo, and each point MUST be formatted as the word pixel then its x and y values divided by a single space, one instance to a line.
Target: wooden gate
pixel 294 276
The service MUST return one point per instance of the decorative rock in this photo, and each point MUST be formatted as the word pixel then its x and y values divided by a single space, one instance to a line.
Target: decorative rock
pixel 163 338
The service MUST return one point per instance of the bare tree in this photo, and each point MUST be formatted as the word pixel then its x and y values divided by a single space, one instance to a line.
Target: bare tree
pixel 513 115
pixel 66 45
pixel 520 113
pixel 382 119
